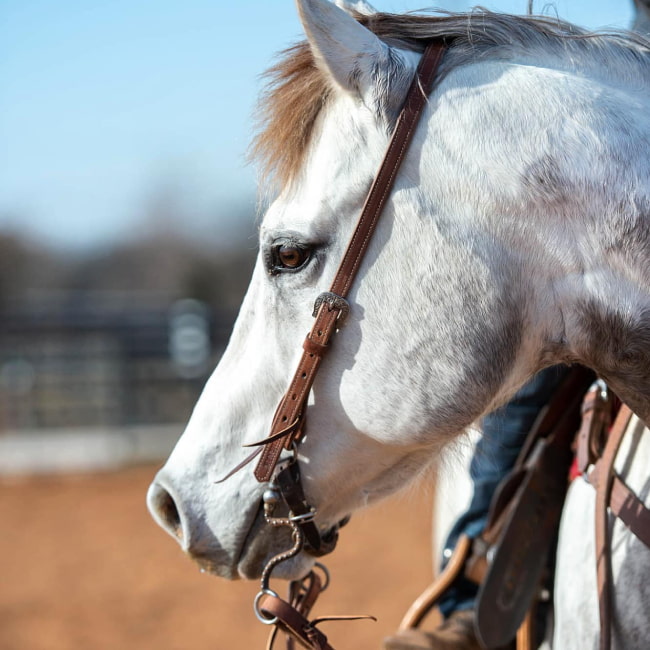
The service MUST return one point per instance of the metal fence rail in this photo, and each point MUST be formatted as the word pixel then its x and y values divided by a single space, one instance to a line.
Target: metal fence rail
pixel 102 361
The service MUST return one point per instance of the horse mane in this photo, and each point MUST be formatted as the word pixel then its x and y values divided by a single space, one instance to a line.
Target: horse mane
pixel 297 90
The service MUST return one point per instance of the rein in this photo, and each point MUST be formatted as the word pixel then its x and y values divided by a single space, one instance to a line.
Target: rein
pixel 288 425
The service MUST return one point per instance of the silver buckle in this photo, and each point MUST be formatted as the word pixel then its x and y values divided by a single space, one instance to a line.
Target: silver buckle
pixel 333 302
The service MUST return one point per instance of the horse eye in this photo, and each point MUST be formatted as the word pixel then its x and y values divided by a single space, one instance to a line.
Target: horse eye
pixel 291 257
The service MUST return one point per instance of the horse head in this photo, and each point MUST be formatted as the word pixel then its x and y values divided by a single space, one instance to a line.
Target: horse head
pixel 462 295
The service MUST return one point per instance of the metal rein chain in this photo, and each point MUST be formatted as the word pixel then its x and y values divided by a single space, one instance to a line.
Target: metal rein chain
pixel 297 536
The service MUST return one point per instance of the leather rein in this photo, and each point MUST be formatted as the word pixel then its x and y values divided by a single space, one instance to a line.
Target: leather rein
pixel 598 442
pixel 288 426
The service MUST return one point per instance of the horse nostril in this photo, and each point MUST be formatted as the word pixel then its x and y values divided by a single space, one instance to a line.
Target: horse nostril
pixel 163 509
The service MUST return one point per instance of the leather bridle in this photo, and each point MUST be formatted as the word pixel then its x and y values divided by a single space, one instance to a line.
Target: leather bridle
pixel 288 425
pixel 331 308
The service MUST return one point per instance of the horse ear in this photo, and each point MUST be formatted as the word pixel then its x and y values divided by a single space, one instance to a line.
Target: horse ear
pixel 360 6
pixel 352 55
pixel 641 22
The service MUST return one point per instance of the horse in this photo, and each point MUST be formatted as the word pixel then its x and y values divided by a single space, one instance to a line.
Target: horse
pixel 516 236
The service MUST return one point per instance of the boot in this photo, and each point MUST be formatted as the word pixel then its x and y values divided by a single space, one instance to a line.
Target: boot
pixel 455 633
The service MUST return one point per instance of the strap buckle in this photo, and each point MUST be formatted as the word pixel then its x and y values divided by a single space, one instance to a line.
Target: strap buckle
pixel 333 302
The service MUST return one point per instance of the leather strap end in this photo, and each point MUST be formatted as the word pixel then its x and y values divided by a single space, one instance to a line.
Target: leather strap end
pixel 241 465
pixel 294 623
pixel 268 460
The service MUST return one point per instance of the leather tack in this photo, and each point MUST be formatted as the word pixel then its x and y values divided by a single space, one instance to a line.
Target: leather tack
pixel 294 402
pixel 630 510
pixel 311 347
pixel 605 473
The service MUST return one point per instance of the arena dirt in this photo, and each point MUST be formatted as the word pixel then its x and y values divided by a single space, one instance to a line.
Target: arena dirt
pixel 83 567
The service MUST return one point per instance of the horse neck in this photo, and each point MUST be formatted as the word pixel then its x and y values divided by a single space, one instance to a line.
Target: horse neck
pixel 548 174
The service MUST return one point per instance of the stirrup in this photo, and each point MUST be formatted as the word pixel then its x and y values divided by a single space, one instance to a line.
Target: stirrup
pixel 429 598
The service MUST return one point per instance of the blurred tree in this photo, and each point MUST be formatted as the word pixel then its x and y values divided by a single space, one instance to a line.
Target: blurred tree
pixel 13 264
pixel 165 255
pixel 25 264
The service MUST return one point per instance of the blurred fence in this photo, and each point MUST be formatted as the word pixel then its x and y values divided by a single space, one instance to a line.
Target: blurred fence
pixel 104 359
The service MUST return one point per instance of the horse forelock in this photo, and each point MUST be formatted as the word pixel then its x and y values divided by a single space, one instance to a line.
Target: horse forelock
pixel 298 90
pixel 295 94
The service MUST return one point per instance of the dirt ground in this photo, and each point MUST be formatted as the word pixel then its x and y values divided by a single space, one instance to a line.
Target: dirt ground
pixel 83 567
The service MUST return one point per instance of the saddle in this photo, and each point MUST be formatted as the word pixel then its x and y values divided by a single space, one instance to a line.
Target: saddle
pixel 510 559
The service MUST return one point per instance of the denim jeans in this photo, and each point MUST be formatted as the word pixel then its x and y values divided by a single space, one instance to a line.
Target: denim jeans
pixel 504 433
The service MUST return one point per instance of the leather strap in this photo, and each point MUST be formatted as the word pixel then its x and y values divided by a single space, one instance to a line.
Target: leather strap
pixel 416 100
pixel 290 486
pixel 302 597
pixel 627 506
pixel 293 405
pixel 551 421
pixel 611 493
pixel 291 621
pixel 604 471
pixel 596 419
pixel 292 616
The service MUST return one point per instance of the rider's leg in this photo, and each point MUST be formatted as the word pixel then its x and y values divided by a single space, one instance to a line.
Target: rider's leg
pixel 504 433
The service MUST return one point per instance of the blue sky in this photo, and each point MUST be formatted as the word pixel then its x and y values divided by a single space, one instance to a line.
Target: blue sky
pixel 105 105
